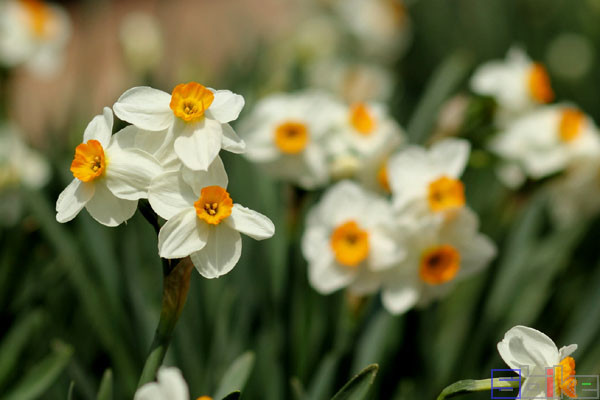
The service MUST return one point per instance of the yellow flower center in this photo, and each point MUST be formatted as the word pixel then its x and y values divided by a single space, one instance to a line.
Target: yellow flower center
pixel 291 137
pixel 383 179
pixel 89 162
pixel 361 119
pixel 446 193
pixel 39 14
pixel 539 84
pixel 350 244
pixel 571 123
pixel 564 377
pixel 214 205
pixel 189 101
pixel 439 264
pixel 204 398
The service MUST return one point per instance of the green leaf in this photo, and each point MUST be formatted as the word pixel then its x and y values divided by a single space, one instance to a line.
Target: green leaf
pixel 237 374
pixel 14 342
pixel 105 392
pixel 233 396
pixel 43 375
pixel 358 387
pixel 471 385
pixel 324 378
pixel 71 390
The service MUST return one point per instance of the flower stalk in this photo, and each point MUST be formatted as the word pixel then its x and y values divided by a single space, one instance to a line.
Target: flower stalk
pixel 471 385
pixel 176 285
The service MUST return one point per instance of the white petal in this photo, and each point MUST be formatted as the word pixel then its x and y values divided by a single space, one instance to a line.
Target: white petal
pixel 526 347
pixel 384 251
pixel 326 276
pixel 199 144
pixel 214 176
pixel 221 253
pixel 231 141
pixel 451 156
pixel 100 128
pixel 169 194
pixel 182 235
pixel 107 209
pixel 535 385
pixel 400 298
pixel 172 384
pixel 566 351
pixel 150 391
pixel 250 222
pixel 145 107
pixel 73 199
pixel 226 106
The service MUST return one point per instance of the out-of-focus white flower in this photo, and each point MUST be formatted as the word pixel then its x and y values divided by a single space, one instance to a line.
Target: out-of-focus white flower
pixel 19 164
pixel 352 81
pixel 141 37
pixel 548 371
pixel 315 37
pixel 286 133
pixel 202 220
pixel 382 27
pixel 439 253
pixel 33 33
pixel 575 196
pixel 427 181
pixel 169 385
pixel 349 238
pixel 517 83
pixel 110 175
pixel 196 120
pixel 547 140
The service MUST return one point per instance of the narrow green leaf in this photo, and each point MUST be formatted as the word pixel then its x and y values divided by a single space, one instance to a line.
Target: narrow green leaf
pixel 71 390
pixel 298 392
pixel 237 374
pixel 471 385
pixel 14 342
pixel 324 378
pixel 105 392
pixel 39 378
pixel 358 387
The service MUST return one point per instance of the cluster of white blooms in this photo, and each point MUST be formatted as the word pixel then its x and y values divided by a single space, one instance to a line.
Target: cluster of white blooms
pixel 169 385
pixel 170 156
pixel 33 33
pixel 537 140
pixel 548 372
pixel 310 138
pixel 413 246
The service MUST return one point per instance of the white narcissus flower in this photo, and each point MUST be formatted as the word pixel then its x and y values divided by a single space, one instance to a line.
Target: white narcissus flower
pixel 202 220
pixel 195 118
pixel 427 181
pixel 33 33
pixel 349 238
pixel 547 140
pixel 169 385
pixel 517 83
pixel 439 253
pixel 110 175
pixel 286 133
pixel 548 371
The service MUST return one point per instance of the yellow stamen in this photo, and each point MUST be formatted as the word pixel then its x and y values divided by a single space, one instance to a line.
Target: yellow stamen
pixel 539 84
pixel 190 100
pixel 571 123
pixel 89 162
pixel 382 178
pixel 361 119
pixel 291 137
pixel 564 377
pixel 439 264
pixel 350 244
pixel 446 193
pixel 39 13
pixel 214 205
pixel 204 398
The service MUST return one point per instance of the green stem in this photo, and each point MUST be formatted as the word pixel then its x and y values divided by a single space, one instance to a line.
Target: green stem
pixel 471 385
pixel 176 285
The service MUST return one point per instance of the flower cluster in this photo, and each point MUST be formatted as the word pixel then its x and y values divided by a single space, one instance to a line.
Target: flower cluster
pixel 33 33
pixel 170 156
pixel 310 138
pixel 536 139
pixel 413 247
